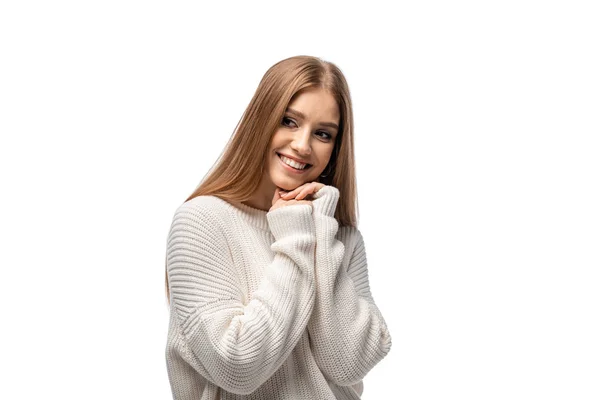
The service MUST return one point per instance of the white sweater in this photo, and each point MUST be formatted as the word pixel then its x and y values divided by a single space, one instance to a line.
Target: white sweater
pixel 269 304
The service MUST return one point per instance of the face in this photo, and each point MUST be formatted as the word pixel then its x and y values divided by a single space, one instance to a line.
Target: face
pixel 306 134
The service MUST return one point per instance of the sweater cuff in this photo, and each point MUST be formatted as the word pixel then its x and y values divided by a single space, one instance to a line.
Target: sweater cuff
pixel 325 200
pixel 291 220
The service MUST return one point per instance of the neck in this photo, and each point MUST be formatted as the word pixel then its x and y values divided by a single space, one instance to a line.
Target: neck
pixel 262 198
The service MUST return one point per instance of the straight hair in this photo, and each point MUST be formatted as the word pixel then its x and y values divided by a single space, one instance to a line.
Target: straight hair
pixel 235 174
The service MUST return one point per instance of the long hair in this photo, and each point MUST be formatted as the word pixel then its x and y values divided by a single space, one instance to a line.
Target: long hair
pixel 234 175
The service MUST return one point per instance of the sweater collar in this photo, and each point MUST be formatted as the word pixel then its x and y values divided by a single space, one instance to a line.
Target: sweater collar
pixel 254 216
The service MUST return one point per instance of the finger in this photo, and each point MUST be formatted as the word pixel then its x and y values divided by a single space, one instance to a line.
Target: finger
pixel 310 189
pixel 291 194
pixel 303 193
pixel 276 196
pixel 296 191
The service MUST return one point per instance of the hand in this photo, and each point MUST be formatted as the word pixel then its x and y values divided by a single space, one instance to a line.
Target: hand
pixel 302 191
pixel 278 201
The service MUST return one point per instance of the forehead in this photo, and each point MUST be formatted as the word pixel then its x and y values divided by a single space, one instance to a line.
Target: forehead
pixel 316 103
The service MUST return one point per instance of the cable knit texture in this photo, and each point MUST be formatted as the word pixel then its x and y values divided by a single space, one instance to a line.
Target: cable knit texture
pixel 269 305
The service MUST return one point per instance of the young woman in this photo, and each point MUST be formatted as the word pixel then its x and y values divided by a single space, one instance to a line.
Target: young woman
pixel 266 270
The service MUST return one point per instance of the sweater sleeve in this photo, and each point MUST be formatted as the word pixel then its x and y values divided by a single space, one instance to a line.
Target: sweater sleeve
pixel 348 333
pixel 238 346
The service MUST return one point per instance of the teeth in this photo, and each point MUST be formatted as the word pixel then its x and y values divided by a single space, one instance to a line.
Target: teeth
pixel 292 163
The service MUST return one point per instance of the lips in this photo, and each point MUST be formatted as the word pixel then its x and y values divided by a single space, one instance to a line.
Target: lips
pixel 293 169
pixel 295 159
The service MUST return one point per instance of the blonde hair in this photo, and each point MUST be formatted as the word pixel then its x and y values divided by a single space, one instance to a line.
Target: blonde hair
pixel 234 176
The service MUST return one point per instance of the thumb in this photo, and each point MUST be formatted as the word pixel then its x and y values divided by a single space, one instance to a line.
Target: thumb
pixel 276 196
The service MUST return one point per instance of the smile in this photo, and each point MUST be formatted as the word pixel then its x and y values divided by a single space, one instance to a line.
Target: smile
pixel 292 165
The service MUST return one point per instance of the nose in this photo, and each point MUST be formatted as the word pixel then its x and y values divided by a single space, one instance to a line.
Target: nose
pixel 301 142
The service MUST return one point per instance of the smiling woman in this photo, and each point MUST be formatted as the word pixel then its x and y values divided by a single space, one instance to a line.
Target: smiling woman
pixel 300 148
pixel 266 270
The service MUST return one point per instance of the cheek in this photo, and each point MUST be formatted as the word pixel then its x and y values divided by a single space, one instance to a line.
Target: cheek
pixel 277 139
pixel 273 162
pixel 325 157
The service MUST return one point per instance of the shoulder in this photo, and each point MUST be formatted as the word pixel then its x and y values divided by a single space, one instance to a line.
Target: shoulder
pixel 208 206
pixel 202 213
pixel 351 236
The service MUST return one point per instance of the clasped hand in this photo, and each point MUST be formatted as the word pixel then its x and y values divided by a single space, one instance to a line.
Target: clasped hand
pixel 283 198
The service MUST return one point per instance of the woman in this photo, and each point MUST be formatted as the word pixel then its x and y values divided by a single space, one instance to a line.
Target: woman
pixel 266 271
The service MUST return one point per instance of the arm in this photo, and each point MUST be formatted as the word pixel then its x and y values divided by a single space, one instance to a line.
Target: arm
pixel 238 346
pixel 348 334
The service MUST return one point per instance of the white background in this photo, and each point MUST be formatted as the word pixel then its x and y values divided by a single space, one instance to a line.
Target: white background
pixel 477 141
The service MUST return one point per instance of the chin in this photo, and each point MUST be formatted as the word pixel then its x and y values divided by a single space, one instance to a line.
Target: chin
pixel 286 183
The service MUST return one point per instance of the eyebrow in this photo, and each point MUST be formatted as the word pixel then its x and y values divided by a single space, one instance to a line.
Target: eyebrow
pixel 298 113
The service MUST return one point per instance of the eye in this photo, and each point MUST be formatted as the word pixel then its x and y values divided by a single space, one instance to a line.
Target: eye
pixel 327 135
pixel 283 121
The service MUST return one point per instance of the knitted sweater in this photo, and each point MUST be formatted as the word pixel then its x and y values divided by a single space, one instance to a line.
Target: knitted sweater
pixel 269 304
